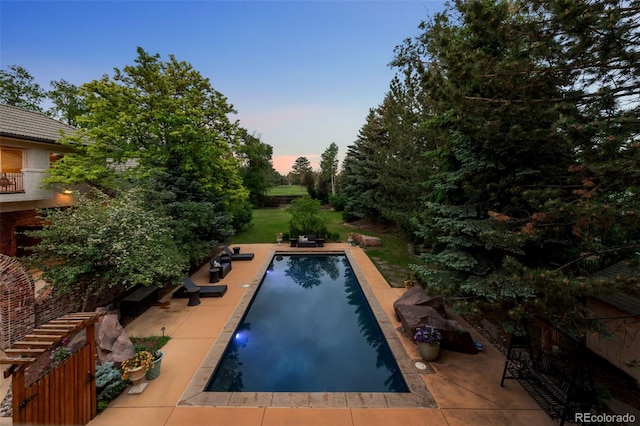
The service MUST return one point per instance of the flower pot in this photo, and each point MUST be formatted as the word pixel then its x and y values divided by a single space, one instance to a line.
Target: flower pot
pixel 429 351
pixel 154 371
pixel 136 375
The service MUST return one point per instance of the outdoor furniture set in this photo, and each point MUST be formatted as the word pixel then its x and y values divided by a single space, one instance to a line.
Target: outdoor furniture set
pixel 219 267
pixel 307 241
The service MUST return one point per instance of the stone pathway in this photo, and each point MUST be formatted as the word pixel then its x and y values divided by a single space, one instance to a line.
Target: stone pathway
pixel 393 274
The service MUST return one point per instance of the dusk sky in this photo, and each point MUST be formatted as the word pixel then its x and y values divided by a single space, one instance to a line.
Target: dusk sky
pixel 301 74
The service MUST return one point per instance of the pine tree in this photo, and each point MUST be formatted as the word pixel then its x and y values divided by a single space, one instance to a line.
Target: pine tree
pixel 515 203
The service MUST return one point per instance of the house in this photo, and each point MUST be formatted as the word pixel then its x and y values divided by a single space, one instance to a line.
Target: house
pixel 28 148
pixel 620 313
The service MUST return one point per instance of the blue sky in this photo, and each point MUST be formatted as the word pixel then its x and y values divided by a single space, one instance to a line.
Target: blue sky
pixel 301 74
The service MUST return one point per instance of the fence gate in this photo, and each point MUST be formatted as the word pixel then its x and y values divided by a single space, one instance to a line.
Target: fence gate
pixel 67 394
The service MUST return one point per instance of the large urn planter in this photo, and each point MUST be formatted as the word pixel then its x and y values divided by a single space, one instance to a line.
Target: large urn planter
pixel 429 351
pixel 154 370
pixel 135 368
pixel 136 375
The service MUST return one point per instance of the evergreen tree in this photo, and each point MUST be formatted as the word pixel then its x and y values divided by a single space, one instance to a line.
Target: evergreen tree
pixel 515 211
pixel 256 168
pixel 326 184
pixel 302 172
pixel 359 175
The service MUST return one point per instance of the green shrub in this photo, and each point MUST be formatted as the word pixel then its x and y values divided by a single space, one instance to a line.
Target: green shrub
pixel 338 202
pixel 149 343
pixel 305 218
pixel 109 384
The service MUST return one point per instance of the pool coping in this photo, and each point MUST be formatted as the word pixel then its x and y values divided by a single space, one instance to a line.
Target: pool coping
pixel 418 397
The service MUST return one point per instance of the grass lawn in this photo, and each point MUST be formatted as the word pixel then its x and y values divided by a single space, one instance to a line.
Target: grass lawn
pixel 392 258
pixel 286 190
pixel 267 222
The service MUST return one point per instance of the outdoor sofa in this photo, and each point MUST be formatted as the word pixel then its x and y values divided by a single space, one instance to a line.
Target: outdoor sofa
pixel 307 241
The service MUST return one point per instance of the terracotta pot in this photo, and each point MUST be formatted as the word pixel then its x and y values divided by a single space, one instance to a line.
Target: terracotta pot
pixel 136 375
pixel 429 351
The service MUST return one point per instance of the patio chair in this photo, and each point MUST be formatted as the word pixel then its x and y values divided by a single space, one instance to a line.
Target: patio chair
pixel 235 254
pixel 192 291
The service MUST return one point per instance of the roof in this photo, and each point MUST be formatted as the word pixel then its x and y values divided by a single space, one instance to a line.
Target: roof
pixel 620 300
pixel 30 125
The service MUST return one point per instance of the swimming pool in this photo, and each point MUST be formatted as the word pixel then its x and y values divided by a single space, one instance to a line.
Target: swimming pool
pixel 309 328
pixel 373 285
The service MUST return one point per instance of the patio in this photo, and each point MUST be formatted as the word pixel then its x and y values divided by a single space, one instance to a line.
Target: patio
pixel 466 388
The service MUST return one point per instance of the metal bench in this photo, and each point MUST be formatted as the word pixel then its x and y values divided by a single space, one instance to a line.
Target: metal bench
pixel 560 388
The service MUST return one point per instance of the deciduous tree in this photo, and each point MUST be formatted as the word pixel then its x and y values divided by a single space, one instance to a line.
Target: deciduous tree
pixel 68 104
pixel 101 243
pixel 163 126
pixel 18 88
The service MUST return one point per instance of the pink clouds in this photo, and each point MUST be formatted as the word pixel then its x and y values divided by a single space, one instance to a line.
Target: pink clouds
pixel 283 163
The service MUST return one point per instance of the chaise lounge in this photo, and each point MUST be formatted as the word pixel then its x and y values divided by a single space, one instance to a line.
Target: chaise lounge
pixel 235 254
pixel 192 291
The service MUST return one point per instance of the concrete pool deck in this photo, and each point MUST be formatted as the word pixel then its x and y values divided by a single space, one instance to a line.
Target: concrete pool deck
pixel 461 389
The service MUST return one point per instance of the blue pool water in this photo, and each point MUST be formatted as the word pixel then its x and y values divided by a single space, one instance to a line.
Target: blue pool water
pixel 309 328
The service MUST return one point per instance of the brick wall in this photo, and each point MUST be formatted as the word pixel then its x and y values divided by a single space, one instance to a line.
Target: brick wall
pixel 17 302
pixel 21 310
pixel 9 221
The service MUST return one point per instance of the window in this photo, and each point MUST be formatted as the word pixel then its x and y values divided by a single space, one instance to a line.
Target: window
pixel 54 157
pixel 11 163
pixel 10 160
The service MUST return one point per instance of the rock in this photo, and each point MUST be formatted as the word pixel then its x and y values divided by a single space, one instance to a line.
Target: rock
pixel 415 296
pixel 113 344
pixel 415 309
pixel 367 241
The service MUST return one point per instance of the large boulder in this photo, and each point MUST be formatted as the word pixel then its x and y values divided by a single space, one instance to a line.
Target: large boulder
pixel 415 296
pixel 367 241
pixel 413 310
pixel 112 342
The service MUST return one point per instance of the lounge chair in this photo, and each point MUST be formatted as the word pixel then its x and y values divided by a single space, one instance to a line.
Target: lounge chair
pixel 235 254
pixel 190 290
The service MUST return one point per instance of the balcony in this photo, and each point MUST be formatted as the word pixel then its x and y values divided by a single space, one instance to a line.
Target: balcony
pixel 11 183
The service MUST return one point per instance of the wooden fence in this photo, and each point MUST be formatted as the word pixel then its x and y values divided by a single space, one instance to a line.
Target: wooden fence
pixel 67 394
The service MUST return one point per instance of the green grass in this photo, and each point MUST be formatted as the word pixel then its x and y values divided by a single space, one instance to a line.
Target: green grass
pixel 264 226
pixel 267 222
pixel 286 190
pixel 394 251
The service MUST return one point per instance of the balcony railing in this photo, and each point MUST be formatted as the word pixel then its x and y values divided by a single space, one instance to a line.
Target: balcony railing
pixel 11 183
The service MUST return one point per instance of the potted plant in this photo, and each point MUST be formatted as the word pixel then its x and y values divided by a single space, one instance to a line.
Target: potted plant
pixel 154 370
pixel 428 339
pixel 351 238
pixel 136 367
